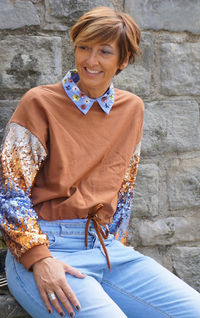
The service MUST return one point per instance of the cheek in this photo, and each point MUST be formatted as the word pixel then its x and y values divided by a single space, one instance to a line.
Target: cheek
pixel 112 68
pixel 78 58
pixel 113 65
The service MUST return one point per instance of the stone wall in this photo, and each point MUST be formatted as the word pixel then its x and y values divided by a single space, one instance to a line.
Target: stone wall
pixel 35 49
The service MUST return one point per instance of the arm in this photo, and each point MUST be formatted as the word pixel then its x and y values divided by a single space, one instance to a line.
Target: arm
pixel 119 226
pixel 21 157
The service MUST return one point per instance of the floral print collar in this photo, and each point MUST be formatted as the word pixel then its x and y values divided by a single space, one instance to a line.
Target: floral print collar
pixel 83 102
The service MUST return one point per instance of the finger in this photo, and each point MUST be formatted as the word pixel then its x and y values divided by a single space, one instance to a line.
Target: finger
pixel 73 271
pixel 68 292
pixel 65 302
pixel 46 300
pixel 56 305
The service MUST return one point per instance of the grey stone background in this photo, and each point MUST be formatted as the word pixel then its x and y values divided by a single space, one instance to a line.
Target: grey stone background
pixel 35 49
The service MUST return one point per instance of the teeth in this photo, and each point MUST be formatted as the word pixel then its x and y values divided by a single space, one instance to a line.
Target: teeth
pixel 92 71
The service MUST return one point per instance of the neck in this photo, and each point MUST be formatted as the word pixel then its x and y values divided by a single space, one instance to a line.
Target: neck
pixel 93 92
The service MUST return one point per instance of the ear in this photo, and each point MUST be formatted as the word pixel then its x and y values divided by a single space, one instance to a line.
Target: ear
pixel 125 62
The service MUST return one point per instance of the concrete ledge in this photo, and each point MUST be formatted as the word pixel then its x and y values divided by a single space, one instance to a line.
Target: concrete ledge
pixel 2 260
pixel 9 307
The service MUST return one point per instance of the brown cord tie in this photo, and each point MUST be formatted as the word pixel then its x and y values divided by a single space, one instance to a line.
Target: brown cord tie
pixel 97 225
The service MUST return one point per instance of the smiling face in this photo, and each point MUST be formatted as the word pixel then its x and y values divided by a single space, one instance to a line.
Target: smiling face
pixel 97 64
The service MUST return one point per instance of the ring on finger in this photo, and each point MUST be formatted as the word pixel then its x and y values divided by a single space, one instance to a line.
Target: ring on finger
pixel 51 296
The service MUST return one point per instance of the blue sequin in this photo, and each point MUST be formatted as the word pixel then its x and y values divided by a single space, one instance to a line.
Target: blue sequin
pixel 21 157
pixel 119 226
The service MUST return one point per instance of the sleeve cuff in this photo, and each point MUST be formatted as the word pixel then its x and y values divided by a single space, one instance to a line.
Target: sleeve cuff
pixel 34 255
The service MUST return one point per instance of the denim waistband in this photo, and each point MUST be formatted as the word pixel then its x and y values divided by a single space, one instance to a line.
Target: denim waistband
pixel 78 227
pixel 66 227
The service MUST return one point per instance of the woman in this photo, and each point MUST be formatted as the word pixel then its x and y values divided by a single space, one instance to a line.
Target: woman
pixel 68 165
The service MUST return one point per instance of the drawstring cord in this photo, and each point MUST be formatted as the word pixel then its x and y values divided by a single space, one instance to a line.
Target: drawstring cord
pixel 97 225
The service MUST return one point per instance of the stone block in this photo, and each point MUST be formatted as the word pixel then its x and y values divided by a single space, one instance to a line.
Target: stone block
pixel 10 308
pixel 6 110
pixel 28 61
pixel 170 15
pixel 68 60
pixel 183 183
pixel 180 68
pixel 171 126
pixel 136 78
pixel 61 15
pixel 17 14
pixel 8 305
pixel 186 264
pixel 146 191
pixel 161 254
pixel 168 231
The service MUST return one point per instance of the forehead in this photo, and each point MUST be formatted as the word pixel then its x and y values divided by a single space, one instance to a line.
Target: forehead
pixel 111 44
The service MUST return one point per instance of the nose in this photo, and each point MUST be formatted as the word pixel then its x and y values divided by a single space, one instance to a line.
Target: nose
pixel 92 58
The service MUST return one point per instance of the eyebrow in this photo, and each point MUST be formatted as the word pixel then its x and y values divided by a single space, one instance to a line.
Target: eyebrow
pixel 101 45
pixel 108 46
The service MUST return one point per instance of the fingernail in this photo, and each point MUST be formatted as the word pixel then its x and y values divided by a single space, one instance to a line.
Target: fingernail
pixel 71 314
pixel 61 314
pixel 49 311
pixel 78 307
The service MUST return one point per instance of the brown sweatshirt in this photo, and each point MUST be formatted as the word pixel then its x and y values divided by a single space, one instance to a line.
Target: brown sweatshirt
pixel 65 162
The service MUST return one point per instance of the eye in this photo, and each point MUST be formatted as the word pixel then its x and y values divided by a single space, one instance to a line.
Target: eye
pixel 105 51
pixel 83 47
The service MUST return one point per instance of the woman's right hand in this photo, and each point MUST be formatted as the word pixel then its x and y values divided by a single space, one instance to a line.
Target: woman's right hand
pixel 49 275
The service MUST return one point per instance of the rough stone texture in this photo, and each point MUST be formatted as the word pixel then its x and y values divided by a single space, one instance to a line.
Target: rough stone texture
pixel 169 231
pixel 160 253
pixel 62 14
pixel 9 308
pixel 184 183
pixel 186 263
pixel 68 54
pixel 30 61
pixel 171 15
pixel 180 68
pixel 147 182
pixel 171 126
pixel 6 109
pixel 17 14
pixel 136 77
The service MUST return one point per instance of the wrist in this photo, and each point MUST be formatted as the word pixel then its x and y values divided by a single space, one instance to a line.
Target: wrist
pixel 42 260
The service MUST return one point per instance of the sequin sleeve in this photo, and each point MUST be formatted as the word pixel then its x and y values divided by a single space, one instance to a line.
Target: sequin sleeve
pixel 119 226
pixel 20 159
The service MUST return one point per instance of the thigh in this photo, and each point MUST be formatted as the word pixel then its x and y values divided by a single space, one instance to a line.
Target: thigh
pixel 94 300
pixel 143 287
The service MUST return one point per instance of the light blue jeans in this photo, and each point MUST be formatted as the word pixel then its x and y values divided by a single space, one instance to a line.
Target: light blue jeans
pixel 136 286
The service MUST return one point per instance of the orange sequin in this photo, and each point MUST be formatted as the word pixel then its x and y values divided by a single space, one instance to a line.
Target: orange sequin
pixel 21 157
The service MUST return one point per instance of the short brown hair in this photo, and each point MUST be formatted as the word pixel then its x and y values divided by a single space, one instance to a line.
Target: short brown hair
pixel 103 24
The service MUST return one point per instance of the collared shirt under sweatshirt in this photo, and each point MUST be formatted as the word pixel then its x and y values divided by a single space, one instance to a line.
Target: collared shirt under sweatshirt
pixel 64 154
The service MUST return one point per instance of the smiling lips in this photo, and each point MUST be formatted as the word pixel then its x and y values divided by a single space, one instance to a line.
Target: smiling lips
pixel 92 71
